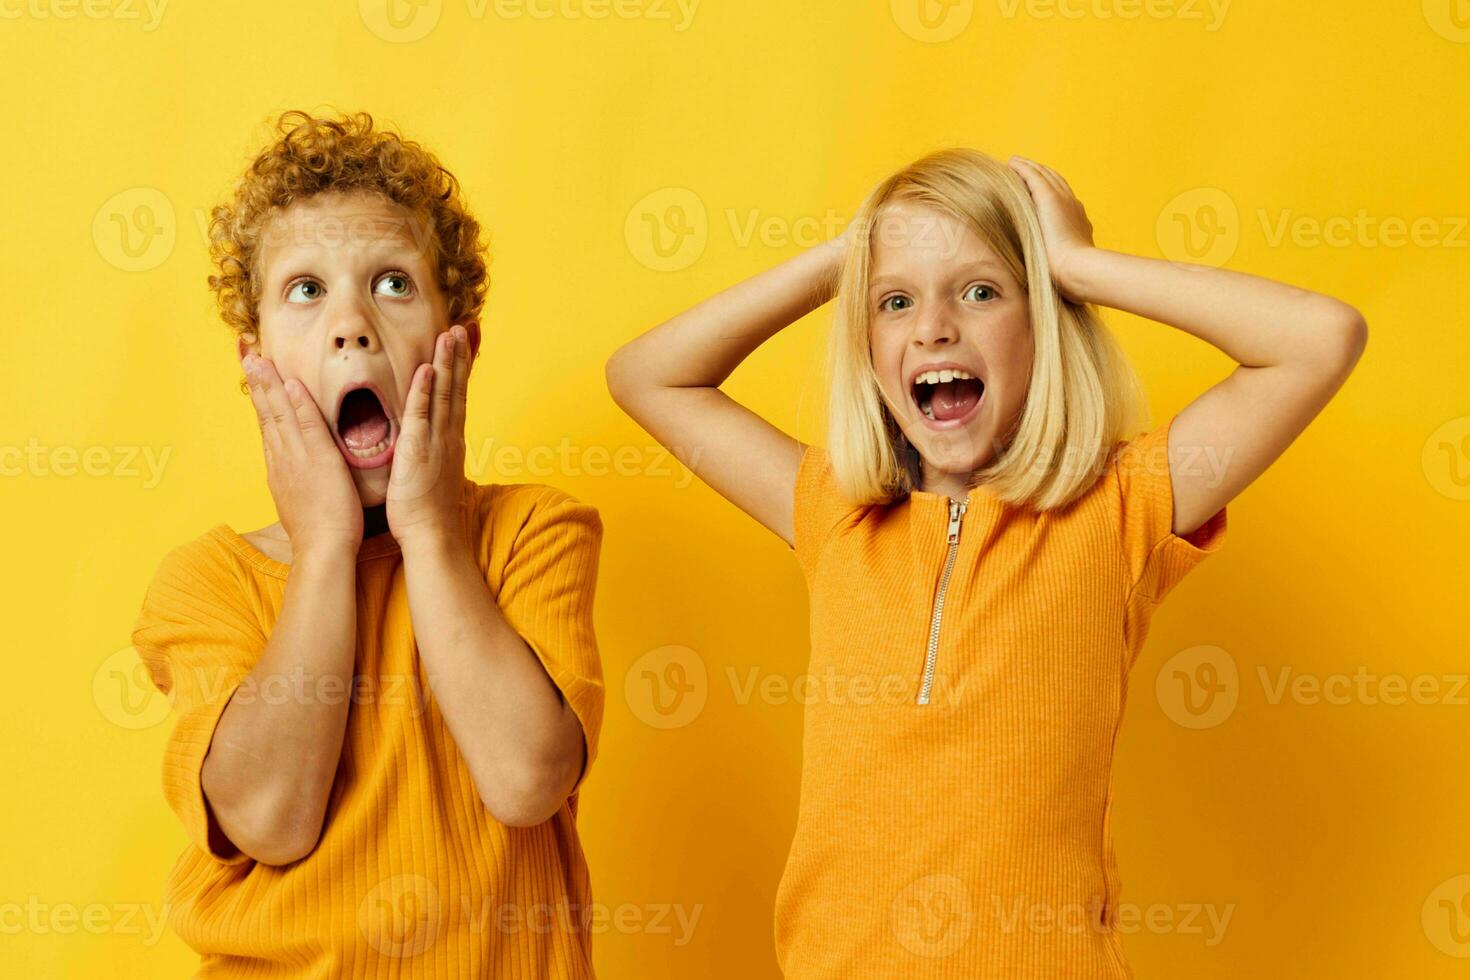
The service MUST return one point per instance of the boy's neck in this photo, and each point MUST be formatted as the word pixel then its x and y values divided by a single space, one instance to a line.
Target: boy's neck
pixel 374 521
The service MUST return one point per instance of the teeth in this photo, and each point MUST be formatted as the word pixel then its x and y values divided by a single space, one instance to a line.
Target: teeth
pixel 941 376
pixel 375 450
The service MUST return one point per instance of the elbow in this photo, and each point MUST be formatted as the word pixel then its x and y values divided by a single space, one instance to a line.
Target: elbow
pixel 1352 338
pixel 262 831
pixel 278 853
pixel 619 375
pixel 530 797
pixel 276 842
pixel 1344 337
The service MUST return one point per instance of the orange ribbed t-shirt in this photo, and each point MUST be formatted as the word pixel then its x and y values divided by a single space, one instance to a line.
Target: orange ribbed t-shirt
pixel 412 876
pixel 968 837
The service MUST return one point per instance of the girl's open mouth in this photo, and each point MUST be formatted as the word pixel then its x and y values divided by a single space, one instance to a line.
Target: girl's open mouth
pixel 366 433
pixel 947 398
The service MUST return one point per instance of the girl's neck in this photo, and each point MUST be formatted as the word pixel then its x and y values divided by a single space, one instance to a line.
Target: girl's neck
pixel 956 486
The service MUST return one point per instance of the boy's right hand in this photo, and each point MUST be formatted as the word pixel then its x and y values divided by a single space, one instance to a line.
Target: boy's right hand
pixel 316 499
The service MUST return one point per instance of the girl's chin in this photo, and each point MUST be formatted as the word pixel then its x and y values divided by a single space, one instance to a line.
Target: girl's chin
pixel 960 449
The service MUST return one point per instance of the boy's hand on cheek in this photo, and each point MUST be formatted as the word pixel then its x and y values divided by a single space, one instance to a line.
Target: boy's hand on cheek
pixel 314 494
pixel 426 483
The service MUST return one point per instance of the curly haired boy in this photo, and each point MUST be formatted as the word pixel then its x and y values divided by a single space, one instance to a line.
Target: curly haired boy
pixel 385 702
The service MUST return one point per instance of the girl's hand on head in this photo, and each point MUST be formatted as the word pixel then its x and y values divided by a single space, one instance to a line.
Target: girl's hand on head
pixel 427 481
pixel 1064 223
pixel 315 498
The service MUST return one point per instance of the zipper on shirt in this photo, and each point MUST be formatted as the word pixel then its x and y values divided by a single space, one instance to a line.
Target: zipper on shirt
pixel 952 536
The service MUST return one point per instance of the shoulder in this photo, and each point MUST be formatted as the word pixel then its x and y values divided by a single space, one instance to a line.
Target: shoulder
pixel 205 561
pixel 820 507
pixel 198 595
pixel 512 512
pixel 517 503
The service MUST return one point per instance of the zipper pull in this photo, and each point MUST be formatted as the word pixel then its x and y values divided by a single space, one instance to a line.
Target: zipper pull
pixel 956 511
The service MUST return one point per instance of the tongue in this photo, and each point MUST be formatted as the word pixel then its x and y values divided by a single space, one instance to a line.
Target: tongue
pixel 953 399
pixel 365 426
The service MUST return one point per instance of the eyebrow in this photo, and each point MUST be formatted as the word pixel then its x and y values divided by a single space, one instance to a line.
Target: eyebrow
pixel 985 265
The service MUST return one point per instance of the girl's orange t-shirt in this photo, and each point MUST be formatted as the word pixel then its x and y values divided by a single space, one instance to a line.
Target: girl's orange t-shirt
pixel 412 876
pixel 968 837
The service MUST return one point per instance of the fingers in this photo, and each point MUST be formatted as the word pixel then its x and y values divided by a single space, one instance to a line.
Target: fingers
pixel 309 419
pixel 1031 170
pixel 265 416
pixel 461 380
pixel 282 413
pixel 443 396
pixel 416 409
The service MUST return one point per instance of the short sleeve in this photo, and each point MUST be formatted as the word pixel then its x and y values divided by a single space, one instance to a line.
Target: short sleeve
pixel 198 644
pixel 818 507
pixel 1157 558
pixel 546 595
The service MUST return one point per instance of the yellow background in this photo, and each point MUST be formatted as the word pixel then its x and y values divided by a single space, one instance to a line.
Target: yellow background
pixel 1334 833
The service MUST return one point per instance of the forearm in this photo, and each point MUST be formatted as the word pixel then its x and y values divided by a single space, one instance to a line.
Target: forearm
pixel 1256 321
pixel 703 345
pixel 520 740
pixel 274 755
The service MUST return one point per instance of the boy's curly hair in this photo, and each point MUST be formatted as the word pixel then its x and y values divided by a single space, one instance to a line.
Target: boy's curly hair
pixel 314 155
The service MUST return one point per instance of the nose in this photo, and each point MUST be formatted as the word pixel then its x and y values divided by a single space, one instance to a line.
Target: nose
pixel 352 328
pixel 934 327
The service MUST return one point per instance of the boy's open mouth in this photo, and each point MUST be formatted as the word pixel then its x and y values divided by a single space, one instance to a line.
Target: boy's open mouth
pixel 947 395
pixel 366 432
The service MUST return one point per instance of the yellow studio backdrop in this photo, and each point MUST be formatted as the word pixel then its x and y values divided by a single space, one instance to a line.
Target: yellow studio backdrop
pixel 1290 777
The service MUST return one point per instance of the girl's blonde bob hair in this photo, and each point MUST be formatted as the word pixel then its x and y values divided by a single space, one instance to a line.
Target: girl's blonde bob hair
pixel 1082 395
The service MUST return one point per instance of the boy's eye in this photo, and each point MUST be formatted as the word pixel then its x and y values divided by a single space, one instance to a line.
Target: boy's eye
pixel 303 291
pixel 895 303
pixel 395 284
pixel 980 293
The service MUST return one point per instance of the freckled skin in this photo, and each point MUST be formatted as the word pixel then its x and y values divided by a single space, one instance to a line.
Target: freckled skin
pixel 348 294
pixel 939 293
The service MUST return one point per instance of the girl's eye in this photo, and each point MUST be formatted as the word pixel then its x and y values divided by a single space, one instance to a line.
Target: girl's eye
pixel 980 293
pixel 895 303
pixel 395 284
pixel 303 291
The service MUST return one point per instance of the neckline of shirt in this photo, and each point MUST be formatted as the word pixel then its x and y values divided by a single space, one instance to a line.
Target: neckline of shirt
pixel 374 547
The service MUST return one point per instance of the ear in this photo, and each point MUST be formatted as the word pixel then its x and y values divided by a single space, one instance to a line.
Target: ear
pixel 472 330
pixel 244 344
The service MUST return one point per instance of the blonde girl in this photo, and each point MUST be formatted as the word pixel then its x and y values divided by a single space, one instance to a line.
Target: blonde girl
pixel 983 546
